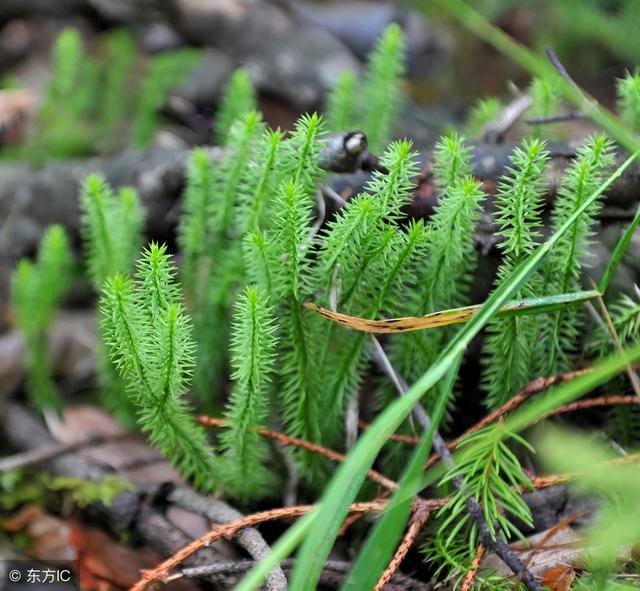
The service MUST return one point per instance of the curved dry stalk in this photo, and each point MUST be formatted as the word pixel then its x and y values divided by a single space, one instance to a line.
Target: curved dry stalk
pixel 467 584
pixel 373 475
pixel 420 517
pixel 534 387
pixel 595 402
pixel 452 316
pixel 163 570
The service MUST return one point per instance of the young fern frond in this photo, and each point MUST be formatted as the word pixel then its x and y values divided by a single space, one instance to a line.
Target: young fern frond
pixel 71 97
pixel 258 260
pixel 149 340
pixel 299 156
pixel 444 282
pixel 112 232
pixel 545 98
pixel 289 271
pixel 450 254
pixel 193 232
pixel 381 87
pixel 213 262
pixel 483 112
pixel 340 112
pixel 492 477
pixel 36 291
pixel 291 235
pixel 117 100
pixel 562 268
pixel 364 257
pixel 238 98
pixel 284 260
pixel 111 229
pixel 451 160
pixel 380 289
pixel 253 345
pixel 67 60
pixel 166 71
pixel 628 90
pixel 353 239
pixel 231 172
pixel 519 200
pixel 259 183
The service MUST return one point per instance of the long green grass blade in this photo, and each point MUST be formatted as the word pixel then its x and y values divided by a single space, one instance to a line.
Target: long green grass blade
pixel 323 524
pixel 381 543
pixel 618 252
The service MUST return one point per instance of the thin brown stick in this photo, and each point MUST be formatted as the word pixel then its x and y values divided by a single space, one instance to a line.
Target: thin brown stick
pixel 420 517
pixel 374 475
pixel 540 482
pixel 594 402
pixel 409 439
pixel 534 387
pixel 467 584
pixel 163 570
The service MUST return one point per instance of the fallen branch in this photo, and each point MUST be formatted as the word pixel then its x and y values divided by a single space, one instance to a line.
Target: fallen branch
pixel 164 569
pixel 248 538
pixel 129 510
pixel 333 573
pixel 594 402
pixel 40 455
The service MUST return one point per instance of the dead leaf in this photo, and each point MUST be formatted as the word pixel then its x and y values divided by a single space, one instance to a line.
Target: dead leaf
pixel 49 535
pixel 131 458
pixel 16 106
pixel 559 578
pixel 102 563
pixel 435 319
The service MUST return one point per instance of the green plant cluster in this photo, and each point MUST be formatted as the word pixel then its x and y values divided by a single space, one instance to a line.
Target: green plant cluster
pixel 252 253
pixel 373 102
pixel 92 101
pixel 37 290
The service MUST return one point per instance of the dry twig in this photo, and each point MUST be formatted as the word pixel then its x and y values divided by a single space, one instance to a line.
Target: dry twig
pixel 497 544
pixel 163 570
pixel 467 584
pixel 420 517
pixel 309 446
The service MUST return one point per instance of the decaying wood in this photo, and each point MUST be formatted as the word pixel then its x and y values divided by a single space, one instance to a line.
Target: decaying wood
pixel 220 512
pixel 130 510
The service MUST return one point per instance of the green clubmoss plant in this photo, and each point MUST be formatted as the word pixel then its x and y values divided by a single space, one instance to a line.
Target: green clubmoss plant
pixel 36 291
pixel 510 340
pixel 148 336
pixel 253 346
pixel 238 98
